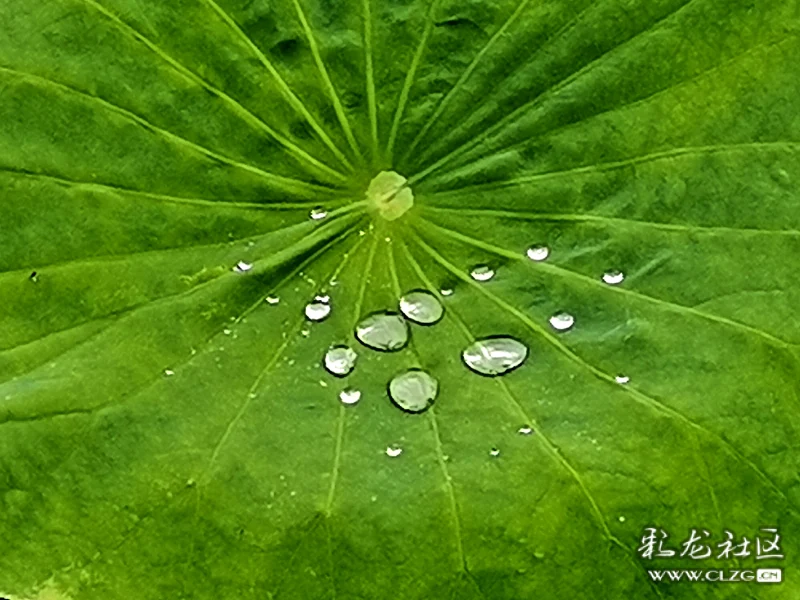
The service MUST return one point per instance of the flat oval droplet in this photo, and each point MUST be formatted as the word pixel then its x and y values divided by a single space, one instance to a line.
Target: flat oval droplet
pixel 317 311
pixel 446 291
pixel 562 321
pixel 622 379
pixel 273 300
pixel 242 267
pixel 386 331
pixel 613 277
pixel 538 253
pixel 494 452
pixel 421 307
pixel 318 213
pixel 393 451
pixel 482 273
pixel 525 430
pixel 350 396
pixel 413 391
pixel 494 356
pixel 340 360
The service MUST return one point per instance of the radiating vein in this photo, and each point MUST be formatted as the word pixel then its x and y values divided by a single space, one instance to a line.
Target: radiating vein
pixel 635 394
pixel 465 75
pixel 597 284
pixel 580 218
pixel 408 83
pixel 334 96
pixel 238 108
pixel 293 100
pixel 280 181
pixel 370 77
pixel 551 91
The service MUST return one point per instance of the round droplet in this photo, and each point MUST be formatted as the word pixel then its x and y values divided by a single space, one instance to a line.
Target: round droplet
pixel 421 307
pixel 272 300
pixel 317 311
pixel 350 396
pixel 318 213
pixel 622 379
pixel 562 321
pixel 482 273
pixel 340 360
pixel 613 277
pixel 383 331
pixel 494 356
pixel 538 253
pixel 242 267
pixel 393 451
pixel 413 391
pixel 525 430
pixel 494 452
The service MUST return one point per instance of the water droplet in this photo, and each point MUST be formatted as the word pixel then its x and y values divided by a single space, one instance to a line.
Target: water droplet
pixel 613 277
pixel 350 396
pixel 562 321
pixel 446 291
pixel 383 331
pixel 324 299
pixel 421 307
pixel 169 372
pixel 495 356
pixel 317 311
pixel 413 391
pixel 393 451
pixel 318 213
pixel 34 277
pixel 622 379
pixel 305 332
pixel 242 267
pixel 272 300
pixel 226 331
pixel 482 273
pixel 340 360
pixel 538 253
pixel 525 430
pixel 494 452
pixel 622 519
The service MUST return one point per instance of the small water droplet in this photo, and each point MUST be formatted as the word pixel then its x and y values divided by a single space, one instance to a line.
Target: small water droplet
pixel 446 291
pixel 538 554
pixel 421 307
pixel 525 430
pixel 169 372
pixel 318 213
pixel 362 233
pixel 622 379
pixel 482 273
pixel 538 253
pixel 34 277
pixel 494 452
pixel 305 332
pixel 383 331
pixel 562 321
pixel 340 360
pixel 393 451
pixel 350 396
pixel 242 267
pixel 273 300
pixel 317 311
pixel 413 391
pixel 226 331
pixel 622 519
pixel 613 277
pixel 494 356
pixel 325 299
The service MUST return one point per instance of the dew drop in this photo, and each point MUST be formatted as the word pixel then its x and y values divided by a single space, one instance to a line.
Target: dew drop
pixel 325 299
pixel 421 307
pixel 226 331
pixel 413 391
pixel 350 396
pixel 446 291
pixel 525 430
pixel 562 321
pixel 494 452
pixel 538 253
pixel 318 213
pixel 482 273
pixel 273 300
pixel 242 267
pixel 613 277
pixel 495 355
pixel 393 451
pixel 340 360
pixel 622 379
pixel 317 311
pixel 169 372
pixel 383 331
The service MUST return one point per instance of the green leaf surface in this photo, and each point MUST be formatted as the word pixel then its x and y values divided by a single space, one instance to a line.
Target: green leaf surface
pixel 166 433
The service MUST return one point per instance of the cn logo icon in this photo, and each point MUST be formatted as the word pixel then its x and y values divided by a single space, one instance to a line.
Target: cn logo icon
pixel 768 575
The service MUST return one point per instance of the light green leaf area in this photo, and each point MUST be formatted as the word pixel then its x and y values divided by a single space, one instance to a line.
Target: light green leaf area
pixel 167 433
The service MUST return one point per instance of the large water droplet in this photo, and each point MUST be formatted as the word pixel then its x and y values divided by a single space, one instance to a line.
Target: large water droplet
pixel 538 253
pixel 383 331
pixel 421 307
pixel 340 360
pixel 495 356
pixel 413 391
pixel 562 321
pixel 482 273
pixel 317 311
pixel 349 396
pixel 318 213
pixel 613 277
